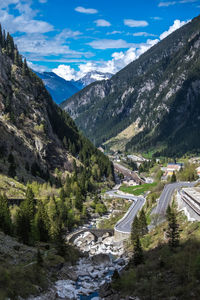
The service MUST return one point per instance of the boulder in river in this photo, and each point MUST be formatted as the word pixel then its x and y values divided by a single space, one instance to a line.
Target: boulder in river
pixel 101 259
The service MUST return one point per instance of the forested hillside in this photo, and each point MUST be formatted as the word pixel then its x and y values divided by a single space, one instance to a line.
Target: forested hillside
pixel 154 102
pixel 37 137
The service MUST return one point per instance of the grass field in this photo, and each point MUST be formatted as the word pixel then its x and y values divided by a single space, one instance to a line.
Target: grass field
pixel 138 189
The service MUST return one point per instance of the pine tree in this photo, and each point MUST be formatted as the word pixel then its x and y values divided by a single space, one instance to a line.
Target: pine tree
pixel 41 223
pixel 59 239
pixel 138 257
pixel 135 229
pixel 23 224
pixel 173 178
pixel 5 217
pixel 143 223
pixel 25 70
pixel 30 202
pixel 173 231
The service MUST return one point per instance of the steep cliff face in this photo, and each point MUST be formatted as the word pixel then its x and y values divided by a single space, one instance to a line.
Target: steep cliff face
pixel 36 136
pixel 159 93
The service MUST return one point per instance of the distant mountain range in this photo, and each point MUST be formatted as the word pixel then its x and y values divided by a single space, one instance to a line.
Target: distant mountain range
pixel 61 89
pixel 153 104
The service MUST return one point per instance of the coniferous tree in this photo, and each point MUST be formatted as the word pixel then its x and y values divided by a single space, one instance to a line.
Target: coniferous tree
pixel 12 166
pixel 135 229
pixel 25 70
pixel 138 257
pixel 59 239
pixel 143 223
pixel 23 224
pixel 173 230
pixel 173 178
pixel 5 217
pixel 41 223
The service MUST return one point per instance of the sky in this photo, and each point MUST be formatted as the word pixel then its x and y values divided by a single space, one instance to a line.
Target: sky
pixel 73 37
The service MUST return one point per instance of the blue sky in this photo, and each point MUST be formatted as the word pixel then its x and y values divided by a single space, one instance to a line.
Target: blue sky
pixel 72 37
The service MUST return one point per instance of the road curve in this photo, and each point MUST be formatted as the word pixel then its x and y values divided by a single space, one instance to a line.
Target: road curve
pixel 166 195
pixel 124 224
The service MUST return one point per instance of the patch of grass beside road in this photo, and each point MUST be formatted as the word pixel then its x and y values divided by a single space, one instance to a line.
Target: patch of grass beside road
pixel 138 189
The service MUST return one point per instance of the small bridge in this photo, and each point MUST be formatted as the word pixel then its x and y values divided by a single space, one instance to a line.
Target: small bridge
pixel 96 232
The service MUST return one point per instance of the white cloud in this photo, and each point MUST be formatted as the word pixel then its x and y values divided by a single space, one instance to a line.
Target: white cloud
pixel 84 10
pixel 24 22
pixel 114 32
pixel 39 45
pixel 143 34
pixel 135 23
pixel 118 59
pixel 66 72
pixel 170 3
pixel 102 23
pixel 166 4
pixel 43 1
pixel 110 44
pixel 177 24
pixel 36 67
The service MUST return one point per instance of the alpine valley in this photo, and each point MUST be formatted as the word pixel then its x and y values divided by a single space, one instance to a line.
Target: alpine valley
pixel 117 222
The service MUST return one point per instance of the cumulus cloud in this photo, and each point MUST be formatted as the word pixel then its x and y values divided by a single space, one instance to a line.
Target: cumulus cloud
pixel 110 44
pixel 84 10
pixel 118 59
pixel 25 22
pixel 135 23
pixel 177 24
pixel 102 23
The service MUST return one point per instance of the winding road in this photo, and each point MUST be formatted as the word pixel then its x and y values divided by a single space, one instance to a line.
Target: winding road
pixel 166 196
pixel 124 224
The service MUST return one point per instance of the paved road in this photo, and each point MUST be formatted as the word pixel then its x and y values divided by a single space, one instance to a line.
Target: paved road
pixel 124 224
pixel 166 196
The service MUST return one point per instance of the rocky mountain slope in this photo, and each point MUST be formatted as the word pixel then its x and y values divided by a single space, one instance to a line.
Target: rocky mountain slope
pixel 153 103
pixel 37 137
pixel 59 88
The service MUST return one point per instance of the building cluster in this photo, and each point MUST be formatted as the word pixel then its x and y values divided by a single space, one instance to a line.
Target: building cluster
pixel 170 169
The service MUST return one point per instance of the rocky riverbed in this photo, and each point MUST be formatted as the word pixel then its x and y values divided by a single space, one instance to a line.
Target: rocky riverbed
pixel 84 280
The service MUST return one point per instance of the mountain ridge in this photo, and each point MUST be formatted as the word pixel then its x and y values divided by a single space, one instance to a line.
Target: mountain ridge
pixel 144 93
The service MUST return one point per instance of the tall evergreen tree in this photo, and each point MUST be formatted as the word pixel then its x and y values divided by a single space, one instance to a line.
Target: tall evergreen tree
pixel 143 223
pixel 135 229
pixel 41 223
pixel 5 217
pixel 173 231
pixel 138 256
pixel 25 69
